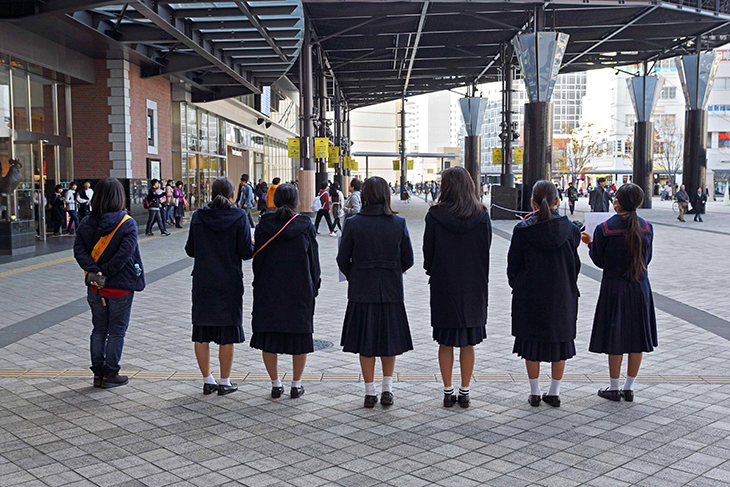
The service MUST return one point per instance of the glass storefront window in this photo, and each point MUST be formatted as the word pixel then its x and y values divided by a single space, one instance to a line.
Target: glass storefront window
pixel 20 100
pixel 42 109
pixel 203 131
pixel 65 165
pixel 4 102
pixel 183 129
pixel 24 193
pixel 213 132
pixel 63 108
pixel 192 128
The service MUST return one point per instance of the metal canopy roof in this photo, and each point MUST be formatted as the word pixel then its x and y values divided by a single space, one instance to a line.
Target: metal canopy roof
pixel 379 51
pixel 221 49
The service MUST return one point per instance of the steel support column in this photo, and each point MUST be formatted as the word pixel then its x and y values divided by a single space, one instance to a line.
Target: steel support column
pixel 507 178
pixel 473 159
pixel 321 164
pixel 307 186
pixel 538 156
pixel 643 170
pixel 694 168
pixel 403 162
pixel 338 139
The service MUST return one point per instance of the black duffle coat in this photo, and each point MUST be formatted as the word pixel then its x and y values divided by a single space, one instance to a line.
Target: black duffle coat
pixel 456 258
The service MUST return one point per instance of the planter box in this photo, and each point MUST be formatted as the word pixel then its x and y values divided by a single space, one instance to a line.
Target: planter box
pixel 17 237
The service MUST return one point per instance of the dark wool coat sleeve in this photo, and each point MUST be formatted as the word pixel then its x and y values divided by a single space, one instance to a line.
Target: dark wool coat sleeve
pixel 514 259
pixel 245 244
pixel 406 249
pixel 82 254
pixel 344 255
pixel 429 238
pixel 126 250
pixel 598 247
pixel 313 256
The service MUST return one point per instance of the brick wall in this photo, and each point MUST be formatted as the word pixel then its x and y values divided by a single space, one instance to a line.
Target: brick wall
pixel 90 117
pixel 156 89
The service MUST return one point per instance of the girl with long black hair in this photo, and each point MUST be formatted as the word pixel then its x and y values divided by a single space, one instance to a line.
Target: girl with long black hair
pixel 456 257
pixel 542 268
pixel 286 282
pixel 625 321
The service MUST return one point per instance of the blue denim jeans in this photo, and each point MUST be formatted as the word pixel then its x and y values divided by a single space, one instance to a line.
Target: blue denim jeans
pixel 110 318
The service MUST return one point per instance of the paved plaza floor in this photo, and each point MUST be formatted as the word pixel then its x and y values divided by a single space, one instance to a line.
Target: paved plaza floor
pixel 56 429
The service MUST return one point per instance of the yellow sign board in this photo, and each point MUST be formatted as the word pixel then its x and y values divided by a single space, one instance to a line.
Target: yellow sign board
pixel 294 148
pixel 496 157
pixel 321 147
pixel 331 164
pixel 353 164
pixel 409 164
pixel 519 155
pixel 334 153
pixel 396 164
pixel 346 161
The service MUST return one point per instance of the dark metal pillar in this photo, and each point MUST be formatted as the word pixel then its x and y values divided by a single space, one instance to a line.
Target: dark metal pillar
pixel 321 176
pixel 507 178
pixel 538 155
pixel 694 167
pixel 643 171
pixel 473 159
pixel 403 161
pixel 338 137
pixel 307 185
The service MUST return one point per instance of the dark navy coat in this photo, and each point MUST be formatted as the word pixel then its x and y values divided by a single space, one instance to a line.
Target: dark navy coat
pixel 219 239
pixel 374 253
pixel 625 320
pixel 286 276
pixel 600 199
pixel 118 260
pixel 542 268
pixel 456 257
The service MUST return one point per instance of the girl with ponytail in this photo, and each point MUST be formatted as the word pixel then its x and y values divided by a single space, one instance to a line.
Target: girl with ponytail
pixel 219 239
pixel 542 268
pixel 625 321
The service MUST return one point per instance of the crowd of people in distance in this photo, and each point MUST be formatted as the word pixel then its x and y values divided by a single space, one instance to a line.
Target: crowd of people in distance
pixel 67 207
pixel 374 252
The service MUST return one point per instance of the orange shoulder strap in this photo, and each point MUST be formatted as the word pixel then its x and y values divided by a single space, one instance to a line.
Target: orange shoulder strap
pixel 103 242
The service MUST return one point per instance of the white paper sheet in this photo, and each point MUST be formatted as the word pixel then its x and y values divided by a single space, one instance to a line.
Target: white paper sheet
pixel 594 219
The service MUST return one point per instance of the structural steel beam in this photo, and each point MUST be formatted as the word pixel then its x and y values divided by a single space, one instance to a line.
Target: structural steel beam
pixel 351 28
pixel 421 23
pixel 243 6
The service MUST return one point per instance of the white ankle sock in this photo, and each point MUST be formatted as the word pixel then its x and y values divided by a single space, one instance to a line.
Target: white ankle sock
pixel 387 383
pixel 210 379
pixel 614 384
pixel 449 391
pixel 535 386
pixel 554 388
pixel 225 382
pixel 629 384
pixel 295 384
pixel 463 391
pixel 276 383
pixel 370 388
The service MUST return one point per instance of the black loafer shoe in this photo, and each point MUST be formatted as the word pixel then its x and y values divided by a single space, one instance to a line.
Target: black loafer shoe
pixel 276 392
pixel 628 396
pixel 110 381
pixel 297 392
pixel 449 400
pixel 97 380
pixel 223 389
pixel 534 400
pixel 610 395
pixel 209 388
pixel 371 401
pixel 464 401
pixel 554 401
pixel 386 399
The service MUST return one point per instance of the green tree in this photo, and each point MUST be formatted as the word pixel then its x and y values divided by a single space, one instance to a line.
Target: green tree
pixel 583 146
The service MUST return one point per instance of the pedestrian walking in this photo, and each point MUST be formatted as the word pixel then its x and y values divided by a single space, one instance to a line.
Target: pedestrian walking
pixel 83 198
pixel 683 202
pixel 600 198
pixel 572 197
pixel 542 269
pixel 244 199
pixel 699 200
pixel 374 253
pixel 625 320
pixel 154 195
pixel 178 202
pixel 354 201
pixel 337 199
pixel 167 209
pixel 324 210
pixel 456 247
pixel 260 194
pixel 71 206
pixel 58 213
pixel 285 285
pixel 219 239
pixel 106 249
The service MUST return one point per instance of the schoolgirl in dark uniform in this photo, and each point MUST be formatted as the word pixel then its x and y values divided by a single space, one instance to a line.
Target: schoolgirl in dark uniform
pixel 542 268
pixel 374 253
pixel 286 282
pixel 456 257
pixel 625 321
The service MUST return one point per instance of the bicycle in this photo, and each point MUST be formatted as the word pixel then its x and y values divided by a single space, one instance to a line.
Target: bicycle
pixel 675 206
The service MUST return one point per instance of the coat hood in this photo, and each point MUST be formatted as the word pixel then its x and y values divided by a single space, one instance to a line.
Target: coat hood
pixel 549 234
pixel 269 224
pixel 107 223
pixel 219 219
pixel 455 224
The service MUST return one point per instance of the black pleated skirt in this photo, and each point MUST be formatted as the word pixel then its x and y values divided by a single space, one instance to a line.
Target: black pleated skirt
pixel 286 343
pixel 460 337
pixel 544 351
pixel 625 320
pixel 222 335
pixel 376 329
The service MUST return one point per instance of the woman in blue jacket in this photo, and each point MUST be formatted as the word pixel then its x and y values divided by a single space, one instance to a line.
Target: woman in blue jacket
pixel 219 239
pixel 106 246
pixel 374 253
pixel 625 321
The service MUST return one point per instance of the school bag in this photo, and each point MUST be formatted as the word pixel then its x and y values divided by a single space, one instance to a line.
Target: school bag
pixel 146 203
pixel 317 203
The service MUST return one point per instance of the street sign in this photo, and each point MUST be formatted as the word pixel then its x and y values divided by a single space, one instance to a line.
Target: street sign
pixel 353 164
pixel 409 164
pixel 333 157
pixel 496 157
pixel 321 147
pixel 294 148
pixel 519 155
pixel 346 161
pixel 396 164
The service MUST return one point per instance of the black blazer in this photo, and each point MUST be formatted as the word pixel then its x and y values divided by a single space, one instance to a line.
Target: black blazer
pixel 456 257
pixel 286 276
pixel 374 253
pixel 219 239
pixel 542 268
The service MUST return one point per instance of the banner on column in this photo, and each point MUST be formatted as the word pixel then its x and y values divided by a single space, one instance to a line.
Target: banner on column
pixel 409 164
pixel 396 164
pixel 519 155
pixel 346 162
pixel 334 156
pixel 353 165
pixel 496 157
pixel 295 148
pixel 321 147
